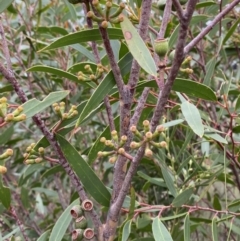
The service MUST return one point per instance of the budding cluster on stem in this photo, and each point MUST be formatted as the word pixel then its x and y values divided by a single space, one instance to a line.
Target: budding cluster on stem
pixel 105 15
pixel 60 110
pixel 147 137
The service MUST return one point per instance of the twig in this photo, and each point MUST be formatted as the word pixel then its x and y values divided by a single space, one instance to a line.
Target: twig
pixel 19 223
pixel 178 58
pixel 9 75
pixel 210 26
pixel 166 17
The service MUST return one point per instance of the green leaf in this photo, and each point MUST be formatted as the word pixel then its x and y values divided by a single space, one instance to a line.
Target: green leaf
pixel 216 203
pixel 44 236
pixel 194 89
pixel 193 118
pixel 138 48
pixel 143 220
pixel 237 105
pixel 182 198
pixel 83 36
pixel 61 226
pixel 230 31
pixel 34 106
pixel 104 88
pixel 214 229
pixel 6 135
pixel 168 179
pixel 215 137
pixel 132 204
pixel 55 71
pixel 6 88
pixel 236 129
pixel 5 195
pixel 187 231
pixel 160 232
pixel 87 176
pixel 81 67
pixel 210 68
pixel 156 181
pixel 126 230
pixel 4 4
pixel 205 4
pixel 185 86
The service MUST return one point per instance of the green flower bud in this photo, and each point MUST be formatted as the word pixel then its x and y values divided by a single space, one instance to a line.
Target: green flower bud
pixel 121 151
pixel 21 117
pixel 9 117
pixel 18 111
pixel 161 47
pixel 112 159
pixel 3 169
pixel 149 135
pixel 81 222
pixel 148 153
pixel 104 24
pixel 135 145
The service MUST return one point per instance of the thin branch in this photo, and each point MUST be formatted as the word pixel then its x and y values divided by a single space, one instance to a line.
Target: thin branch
pixel 98 61
pixel 9 75
pixel 210 26
pixel 178 59
pixel 19 223
pixel 166 17
pixel 179 9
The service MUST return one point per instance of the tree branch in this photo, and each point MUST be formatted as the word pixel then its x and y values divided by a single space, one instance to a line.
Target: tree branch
pixel 210 26
pixel 178 59
pixel 9 75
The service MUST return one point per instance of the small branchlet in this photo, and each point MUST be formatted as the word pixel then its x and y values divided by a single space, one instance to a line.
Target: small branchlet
pixel 146 125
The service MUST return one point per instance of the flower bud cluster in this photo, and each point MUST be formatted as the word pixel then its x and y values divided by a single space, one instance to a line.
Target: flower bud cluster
pixel 105 15
pixel 116 144
pixel 15 116
pixel 60 111
pixel 32 156
pixel 5 155
pixel 89 75
pixel 146 137
pixel 81 230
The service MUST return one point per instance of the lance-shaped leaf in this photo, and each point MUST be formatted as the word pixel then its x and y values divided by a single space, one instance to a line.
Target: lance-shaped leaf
pixel 160 232
pixel 193 118
pixel 61 226
pixel 182 198
pixel 126 230
pixel 87 176
pixel 185 86
pixel 5 195
pixel 34 106
pixel 4 4
pixel 138 48
pixel 187 226
pixel 83 36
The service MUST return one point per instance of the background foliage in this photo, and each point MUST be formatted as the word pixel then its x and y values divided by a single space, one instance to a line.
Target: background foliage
pixel 186 189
